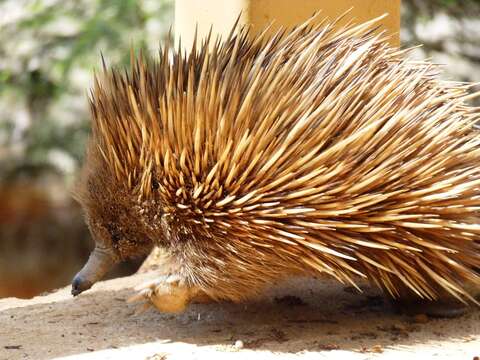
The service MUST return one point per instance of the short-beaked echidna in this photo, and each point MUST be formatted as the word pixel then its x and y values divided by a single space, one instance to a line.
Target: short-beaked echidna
pixel 312 151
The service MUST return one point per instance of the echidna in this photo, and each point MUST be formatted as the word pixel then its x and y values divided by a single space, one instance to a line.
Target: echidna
pixel 310 151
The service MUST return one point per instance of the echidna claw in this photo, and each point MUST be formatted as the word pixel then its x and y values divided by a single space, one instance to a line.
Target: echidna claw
pixel 166 293
pixel 142 295
pixel 142 308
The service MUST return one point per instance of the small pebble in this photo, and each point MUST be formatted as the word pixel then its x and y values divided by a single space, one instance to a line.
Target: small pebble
pixel 399 327
pixel 13 347
pixel 377 349
pixel 329 347
pixel 421 319
pixel 157 357
pixel 239 344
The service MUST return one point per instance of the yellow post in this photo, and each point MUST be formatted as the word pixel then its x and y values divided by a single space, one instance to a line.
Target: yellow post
pixel 259 13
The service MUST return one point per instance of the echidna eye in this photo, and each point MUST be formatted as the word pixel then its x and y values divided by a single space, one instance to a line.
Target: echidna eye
pixel 155 185
pixel 115 237
pixel 114 232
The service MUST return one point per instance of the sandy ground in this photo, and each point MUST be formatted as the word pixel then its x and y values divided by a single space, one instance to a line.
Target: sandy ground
pixel 302 319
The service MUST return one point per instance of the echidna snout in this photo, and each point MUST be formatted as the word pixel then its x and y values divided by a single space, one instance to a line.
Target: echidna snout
pixel 115 220
pixel 101 260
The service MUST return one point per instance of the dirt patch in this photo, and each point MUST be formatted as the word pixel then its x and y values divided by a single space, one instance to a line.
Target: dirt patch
pixel 299 319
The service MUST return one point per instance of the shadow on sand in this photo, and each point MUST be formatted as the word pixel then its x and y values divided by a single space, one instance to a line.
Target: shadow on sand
pixel 303 314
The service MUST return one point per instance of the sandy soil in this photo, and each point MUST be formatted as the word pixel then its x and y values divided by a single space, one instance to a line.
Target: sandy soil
pixel 302 319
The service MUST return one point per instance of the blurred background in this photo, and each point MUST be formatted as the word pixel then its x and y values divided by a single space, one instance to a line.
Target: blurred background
pixel 48 51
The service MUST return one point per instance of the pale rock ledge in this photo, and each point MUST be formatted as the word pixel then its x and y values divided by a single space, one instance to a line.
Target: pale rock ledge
pixel 302 319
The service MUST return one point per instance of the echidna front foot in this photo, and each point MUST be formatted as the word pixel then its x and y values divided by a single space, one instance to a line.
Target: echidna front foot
pixel 168 294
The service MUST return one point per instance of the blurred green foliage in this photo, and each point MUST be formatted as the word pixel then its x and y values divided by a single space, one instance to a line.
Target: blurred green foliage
pixel 48 51
pixel 458 8
pixel 449 32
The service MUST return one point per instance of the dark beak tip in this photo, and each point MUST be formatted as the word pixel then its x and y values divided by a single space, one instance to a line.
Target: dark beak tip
pixel 79 285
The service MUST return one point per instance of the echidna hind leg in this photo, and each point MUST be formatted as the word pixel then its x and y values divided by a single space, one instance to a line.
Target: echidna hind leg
pixel 446 306
pixel 167 293
pixel 442 308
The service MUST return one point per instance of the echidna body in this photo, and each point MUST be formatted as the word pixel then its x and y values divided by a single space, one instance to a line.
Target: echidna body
pixel 313 151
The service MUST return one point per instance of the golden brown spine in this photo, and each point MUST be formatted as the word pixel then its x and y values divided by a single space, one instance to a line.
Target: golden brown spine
pixel 317 150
